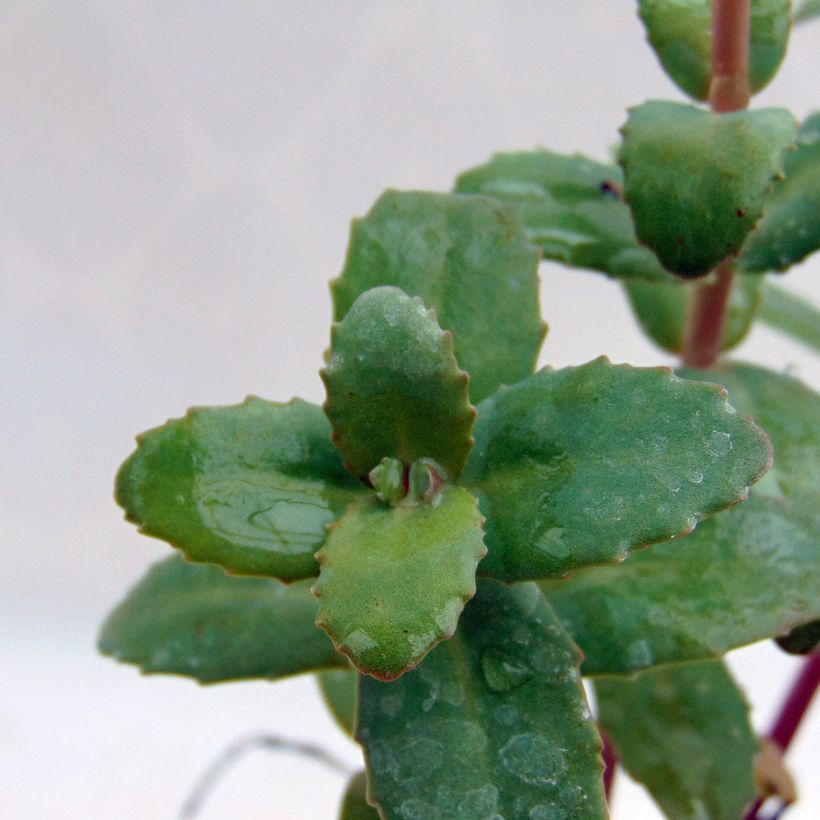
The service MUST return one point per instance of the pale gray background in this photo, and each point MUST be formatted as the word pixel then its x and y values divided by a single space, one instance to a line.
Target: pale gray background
pixel 176 185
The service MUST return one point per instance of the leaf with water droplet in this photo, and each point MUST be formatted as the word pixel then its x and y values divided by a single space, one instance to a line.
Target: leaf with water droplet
pixel 250 487
pixel 354 803
pixel 572 209
pixel 195 620
pixel 469 259
pixel 683 731
pixel 338 688
pixel 696 181
pixel 577 466
pixel 661 309
pixel 790 228
pixel 746 574
pixel 394 580
pixel 394 388
pixel 680 32
pixel 456 744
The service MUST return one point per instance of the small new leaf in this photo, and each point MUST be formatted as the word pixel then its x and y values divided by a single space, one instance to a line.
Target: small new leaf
pixel 197 621
pixel 578 466
pixel 394 388
pixel 697 181
pixel 250 487
pixel 394 580
pixel 494 723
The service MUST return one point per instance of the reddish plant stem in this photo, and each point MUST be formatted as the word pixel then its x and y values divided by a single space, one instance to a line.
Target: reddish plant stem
pixel 729 91
pixel 610 758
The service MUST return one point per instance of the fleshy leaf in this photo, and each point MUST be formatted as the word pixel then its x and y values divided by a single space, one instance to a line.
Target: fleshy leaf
pixel 578 466
pixel 680 32
pixel 354 803
pixel 338 688
pixel 791 315
pixel 746 574
pixel 661 310
pixel 808 10
pixel 451 740
pixel 468 258
pixel 195 620
pixel 697 181
pixel 250 486
pixel 394 388
pixel 572 209
pixel 683 731
pixel 790 228
pixel 394 580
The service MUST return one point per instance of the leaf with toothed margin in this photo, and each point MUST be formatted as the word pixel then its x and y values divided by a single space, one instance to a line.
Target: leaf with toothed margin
pixel 572 209
pixel 790 228
pixel 250 487
pixel 684 732
pixel 492 723
pixel 197 621
pixel 661 310
pixel 578 466
pixel 394 388
pixel 696 181
pixel 354 802
pixel 746 574
pixel 680 32
pixel 338 688
pixel 394 580
pixel 468 258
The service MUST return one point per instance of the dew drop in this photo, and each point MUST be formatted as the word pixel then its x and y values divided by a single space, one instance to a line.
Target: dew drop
pixel 639 654
pixel 533 759
pixel 502 672
pixel 719 444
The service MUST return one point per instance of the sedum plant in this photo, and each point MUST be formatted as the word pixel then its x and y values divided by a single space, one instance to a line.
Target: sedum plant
pixel 454 540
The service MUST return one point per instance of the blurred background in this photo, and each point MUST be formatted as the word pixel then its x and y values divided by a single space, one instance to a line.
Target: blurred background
pixel 177 184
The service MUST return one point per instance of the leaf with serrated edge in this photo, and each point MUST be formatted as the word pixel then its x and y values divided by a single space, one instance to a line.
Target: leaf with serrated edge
pixel 492 723
pixel 748 573
pixel 394 580
pixel 697 181
pixel 468 258
pixel 571 208
pixel 354 803
pixel 578 466
pixel 195 620
pixel 680 32
pixel 790 228
pixel 683 731
pixel 338 688
pixel 394 388
pixel 661 310
pixel 250 487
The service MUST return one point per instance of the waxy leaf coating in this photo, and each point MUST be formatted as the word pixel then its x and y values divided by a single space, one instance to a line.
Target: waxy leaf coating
pixel 250 487
pixel 790 228
pixel 195 620
pixel 394 388
pixel 578 466
pixel 697 181
pixel 749 573
pixel 468 258
pixel 680 31
pixel 394 580
pixel 572 209
pixel 683 731
pixel 493 723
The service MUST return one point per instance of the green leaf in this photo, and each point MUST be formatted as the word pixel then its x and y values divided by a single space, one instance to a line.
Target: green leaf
pixel 338 688
pixel 791 315
pixel 747 574
pixel 808 10
pixel 579 466
pixel 354 804
pixel 394 580
pixel 790 228
pixel 194 620
pixel 697 181
pixel 250 486
pixel 571 208
pixel 683 731
pixel 394 388
pixel 661 310
pixel 680 32
pixel 493 723
pixel 468 258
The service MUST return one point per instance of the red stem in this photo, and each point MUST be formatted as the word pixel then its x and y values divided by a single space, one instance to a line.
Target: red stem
pixel 610 765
